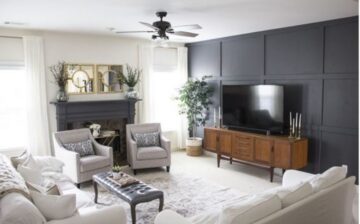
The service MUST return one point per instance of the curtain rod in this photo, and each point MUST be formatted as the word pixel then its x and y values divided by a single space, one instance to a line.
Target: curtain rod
pixel 14 37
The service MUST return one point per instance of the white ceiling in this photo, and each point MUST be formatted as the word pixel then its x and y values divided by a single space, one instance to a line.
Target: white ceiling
pixel 219 18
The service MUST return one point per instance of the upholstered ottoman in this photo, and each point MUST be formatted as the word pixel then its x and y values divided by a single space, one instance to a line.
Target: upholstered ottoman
pixel 133 194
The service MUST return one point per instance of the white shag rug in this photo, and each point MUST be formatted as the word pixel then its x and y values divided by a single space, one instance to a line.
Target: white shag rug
pixel 187 195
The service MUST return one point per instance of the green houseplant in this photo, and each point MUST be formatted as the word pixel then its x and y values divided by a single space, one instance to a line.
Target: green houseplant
pixel 194 101
pixel 132 77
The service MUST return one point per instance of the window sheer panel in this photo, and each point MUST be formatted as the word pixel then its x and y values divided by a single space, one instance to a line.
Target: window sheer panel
pixel 165 59
pixel 164 86
pixel 169 73
pixel 12 53
pixel 13 118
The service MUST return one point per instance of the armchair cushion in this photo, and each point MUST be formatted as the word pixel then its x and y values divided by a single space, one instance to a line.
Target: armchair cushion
pixel 147 139
pixel 84 148
pixel 93 162
pixel 153 152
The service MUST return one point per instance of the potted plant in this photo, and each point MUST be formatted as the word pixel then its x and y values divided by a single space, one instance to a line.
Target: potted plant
pixel 60 76
pixel 116 171
pixel 194 100
pixel 131 79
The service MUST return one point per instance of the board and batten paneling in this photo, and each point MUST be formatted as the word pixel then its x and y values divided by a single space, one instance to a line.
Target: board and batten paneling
pixel 242 57
pixel 205 60
pixel 294 52
pixel 318 66
pixel 341 48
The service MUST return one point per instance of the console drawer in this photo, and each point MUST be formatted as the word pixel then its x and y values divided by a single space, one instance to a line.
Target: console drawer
pixel 242 147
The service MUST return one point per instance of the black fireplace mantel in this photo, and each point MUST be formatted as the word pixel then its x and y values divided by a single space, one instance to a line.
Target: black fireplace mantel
pixel 73 111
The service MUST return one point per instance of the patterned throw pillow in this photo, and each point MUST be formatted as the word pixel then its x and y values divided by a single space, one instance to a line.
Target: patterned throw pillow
pixel 84 148
pixel 147 139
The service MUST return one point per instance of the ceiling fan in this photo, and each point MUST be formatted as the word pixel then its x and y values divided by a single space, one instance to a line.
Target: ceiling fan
pixel 161 28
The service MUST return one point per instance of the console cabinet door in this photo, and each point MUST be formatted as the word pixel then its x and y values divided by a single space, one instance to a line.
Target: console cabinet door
pixel 282 154
pixel 263 150
pixel 243 147
pixel 225 143
pixel 211 140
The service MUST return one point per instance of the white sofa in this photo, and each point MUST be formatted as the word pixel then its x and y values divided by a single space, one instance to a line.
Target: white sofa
pixel 15 208
pixel 331 205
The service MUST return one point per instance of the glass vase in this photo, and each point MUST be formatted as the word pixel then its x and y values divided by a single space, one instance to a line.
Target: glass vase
pixel 61 95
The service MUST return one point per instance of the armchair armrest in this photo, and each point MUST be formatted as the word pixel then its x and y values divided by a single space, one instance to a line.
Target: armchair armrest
pixel 71 161
pixel 92 215
pixel 168 216
pixel 131 150
pixel 103 150
pixel 165 143
pixel 292 177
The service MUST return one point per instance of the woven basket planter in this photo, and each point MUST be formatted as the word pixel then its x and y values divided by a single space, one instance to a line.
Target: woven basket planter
pixel 194 146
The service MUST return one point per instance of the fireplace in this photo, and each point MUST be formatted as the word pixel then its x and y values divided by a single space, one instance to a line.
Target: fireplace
pixel 112 115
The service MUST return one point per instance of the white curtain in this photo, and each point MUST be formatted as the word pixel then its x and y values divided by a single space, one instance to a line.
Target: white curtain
pixel 145 63
pixel 164 72
pixel 182 132
pixel 37 117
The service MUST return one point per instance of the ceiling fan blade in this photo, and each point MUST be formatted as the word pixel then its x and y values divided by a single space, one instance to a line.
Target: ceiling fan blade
pixel 149 25
pixel 147 31
pixel 184 34
pixel 188 27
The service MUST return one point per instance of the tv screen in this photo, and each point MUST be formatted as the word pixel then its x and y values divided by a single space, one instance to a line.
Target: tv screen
pixel 253 107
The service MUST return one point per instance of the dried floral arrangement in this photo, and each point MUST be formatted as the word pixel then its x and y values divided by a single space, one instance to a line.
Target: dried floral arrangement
pixel 59 74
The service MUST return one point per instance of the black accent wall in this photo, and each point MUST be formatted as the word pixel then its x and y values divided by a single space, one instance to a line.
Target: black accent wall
pixel 318 65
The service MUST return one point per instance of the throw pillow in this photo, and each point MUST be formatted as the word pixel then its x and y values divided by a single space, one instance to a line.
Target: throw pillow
pixel 328 178
pixel 251 209
pixel 292 194
pixel 15 208
pixel 49 190
pixel 84 148
pixel 55 206
pixel 32 175
pixel 147 139
pixel 18 160
pixel 47 163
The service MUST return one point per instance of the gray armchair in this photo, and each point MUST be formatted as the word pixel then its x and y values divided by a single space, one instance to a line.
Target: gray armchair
pixel 81 169
pixel 147 157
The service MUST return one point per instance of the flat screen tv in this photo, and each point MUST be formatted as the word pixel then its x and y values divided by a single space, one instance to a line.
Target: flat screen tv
pixel 258 108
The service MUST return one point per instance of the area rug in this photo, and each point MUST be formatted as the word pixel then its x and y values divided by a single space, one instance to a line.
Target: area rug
pixel 187 195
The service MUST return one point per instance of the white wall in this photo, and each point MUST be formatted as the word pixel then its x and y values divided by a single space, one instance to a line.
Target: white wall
pixel 82 48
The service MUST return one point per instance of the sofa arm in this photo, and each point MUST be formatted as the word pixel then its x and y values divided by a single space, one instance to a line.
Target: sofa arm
pixel 292 177
pixel 103 150
pixel 110 215
pixel 165 143
pixel 168 216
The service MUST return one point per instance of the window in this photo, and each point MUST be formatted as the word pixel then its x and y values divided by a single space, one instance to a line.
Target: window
pixel 164 82
pixel 164 89
pixel 13 122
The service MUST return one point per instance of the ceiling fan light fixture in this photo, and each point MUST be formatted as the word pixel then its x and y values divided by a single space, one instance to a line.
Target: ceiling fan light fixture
pixel 161 28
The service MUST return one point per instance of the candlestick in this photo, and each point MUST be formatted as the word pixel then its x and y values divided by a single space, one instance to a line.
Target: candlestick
pixel 220 117
pixel 214 117
pixel 296 120
pixel 290 119
pixel 298 136
pixel 293 127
